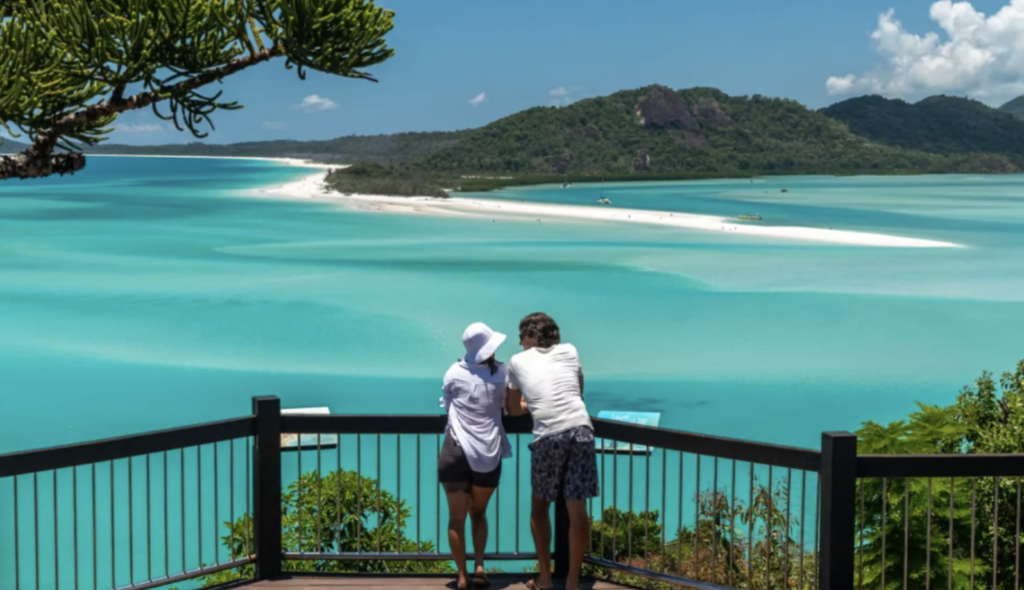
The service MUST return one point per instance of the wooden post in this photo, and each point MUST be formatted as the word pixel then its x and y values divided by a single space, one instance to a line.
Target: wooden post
pixel 267 487
pixel 838 512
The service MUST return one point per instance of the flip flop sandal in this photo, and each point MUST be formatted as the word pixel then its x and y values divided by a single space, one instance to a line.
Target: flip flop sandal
pixel 481 581
pixel 532 585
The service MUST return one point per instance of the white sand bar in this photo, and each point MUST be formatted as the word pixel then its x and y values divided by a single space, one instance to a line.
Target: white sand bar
pixel 311 187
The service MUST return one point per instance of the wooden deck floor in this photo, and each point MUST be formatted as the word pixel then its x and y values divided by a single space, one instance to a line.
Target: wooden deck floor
pixel 385 582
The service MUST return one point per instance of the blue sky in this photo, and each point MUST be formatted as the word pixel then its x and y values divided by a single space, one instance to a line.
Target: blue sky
pixel 517 53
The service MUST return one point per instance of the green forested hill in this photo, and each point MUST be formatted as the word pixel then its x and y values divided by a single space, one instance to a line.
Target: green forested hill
pixel 1015 107
pixel 658 130
pixel 939 124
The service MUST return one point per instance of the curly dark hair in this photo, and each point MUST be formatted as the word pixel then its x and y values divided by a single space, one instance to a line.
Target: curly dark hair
pixel 542 327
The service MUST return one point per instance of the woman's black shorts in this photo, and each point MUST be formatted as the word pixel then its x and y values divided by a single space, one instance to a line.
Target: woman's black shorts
pixel 454 473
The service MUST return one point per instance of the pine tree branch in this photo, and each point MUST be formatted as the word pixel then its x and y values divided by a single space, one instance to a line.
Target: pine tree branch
pixel 39 160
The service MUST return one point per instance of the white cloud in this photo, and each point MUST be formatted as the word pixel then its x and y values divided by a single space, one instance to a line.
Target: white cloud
pixel 978 55
pixel 275 125
pixel 138 128
pixel 479 99
pixel 315 103
pixel 561 96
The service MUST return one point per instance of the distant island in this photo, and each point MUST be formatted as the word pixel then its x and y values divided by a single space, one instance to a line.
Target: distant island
pixel 657 133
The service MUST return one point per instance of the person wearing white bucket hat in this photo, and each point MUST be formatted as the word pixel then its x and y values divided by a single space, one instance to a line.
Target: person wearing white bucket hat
pixel 475 443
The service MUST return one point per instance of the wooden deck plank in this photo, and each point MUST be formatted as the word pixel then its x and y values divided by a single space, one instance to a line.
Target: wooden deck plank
pixel 378 582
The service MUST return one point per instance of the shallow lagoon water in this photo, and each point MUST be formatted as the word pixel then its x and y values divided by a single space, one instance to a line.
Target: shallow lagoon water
pixel 150 293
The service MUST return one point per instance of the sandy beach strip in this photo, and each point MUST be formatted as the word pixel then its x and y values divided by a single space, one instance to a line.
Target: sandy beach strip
pixel 297 162
pixel 311 188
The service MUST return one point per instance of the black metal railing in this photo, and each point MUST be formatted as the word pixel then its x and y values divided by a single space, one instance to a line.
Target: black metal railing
pixel 228 500
pixel 130 512
pixel 938 521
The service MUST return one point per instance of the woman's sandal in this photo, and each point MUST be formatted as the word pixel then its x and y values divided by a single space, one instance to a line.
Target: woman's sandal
pixel 480 580
pixel 532 585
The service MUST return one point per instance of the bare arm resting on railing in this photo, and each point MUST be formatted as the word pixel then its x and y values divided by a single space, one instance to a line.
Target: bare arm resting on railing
pixel 514 402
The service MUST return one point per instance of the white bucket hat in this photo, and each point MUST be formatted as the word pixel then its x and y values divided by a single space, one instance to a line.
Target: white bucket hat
pixel 481 342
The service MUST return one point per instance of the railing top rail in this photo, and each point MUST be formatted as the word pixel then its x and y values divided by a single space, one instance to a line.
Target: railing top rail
pixel 663 438
pixel 34 461
pixel 900 466
pixel 372 424
pixel 711 446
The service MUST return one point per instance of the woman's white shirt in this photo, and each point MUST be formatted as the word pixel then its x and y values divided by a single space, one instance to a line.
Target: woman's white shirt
pixel 475 401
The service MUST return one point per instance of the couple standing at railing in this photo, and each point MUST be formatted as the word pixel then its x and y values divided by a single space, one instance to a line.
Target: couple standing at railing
pixel 546 380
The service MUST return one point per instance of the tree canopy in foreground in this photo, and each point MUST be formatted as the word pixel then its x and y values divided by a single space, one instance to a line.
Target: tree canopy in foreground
pixel 70 67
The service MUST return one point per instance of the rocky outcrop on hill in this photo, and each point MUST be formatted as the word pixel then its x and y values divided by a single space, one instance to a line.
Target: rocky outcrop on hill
pixel 708 109
pixel 642 161
pixel 663 108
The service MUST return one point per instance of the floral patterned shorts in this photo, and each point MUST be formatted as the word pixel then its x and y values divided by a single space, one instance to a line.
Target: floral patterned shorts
pixel 567 458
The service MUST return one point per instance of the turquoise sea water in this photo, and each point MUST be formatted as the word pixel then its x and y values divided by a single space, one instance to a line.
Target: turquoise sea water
pixel 146 293
pixel 151 293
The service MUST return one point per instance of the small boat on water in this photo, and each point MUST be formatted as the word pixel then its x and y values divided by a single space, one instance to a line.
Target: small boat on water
pixel 750 217
pixel 604 201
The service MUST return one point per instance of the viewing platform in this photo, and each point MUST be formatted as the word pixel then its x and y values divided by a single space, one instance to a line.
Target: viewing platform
pixel 357 505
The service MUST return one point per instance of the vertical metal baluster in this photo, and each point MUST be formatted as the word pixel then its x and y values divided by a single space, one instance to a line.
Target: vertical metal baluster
pixel 906 532
pixel 750 533
pixel 629 515
pixel 647 509
pixel 1016 544
pixel 167 535
pixel 497 518
pixel 337 509
pixel 803 524
pixel 785 537
pixel 885 522
pixel 231 503
pixel 35 508
pixel 131 526
pixel 696 525
pixel 604 467
pixel 664 514
pixel 714 523
pixel 319 495
pixel 248 515
pixel 199 504
pixel 615 502
pixel 952 489
pixel 974 497
pixel 928 540
pixel 419 505
pixel 149 524
pixel 216 502
pixel 817 536
pixel 519 449
pixel 437 498
pixel 379 516
pixel 995 535
pixel 184 568
pixel 860 537
pixel 95 545
pixel 398 493
pixel 679 558
pixel 56 540
pixel 74 501
pixel 732 522
pixel 359 493
pixel 769 526
pixel 17 537
pixel 113 548
pixel 298 483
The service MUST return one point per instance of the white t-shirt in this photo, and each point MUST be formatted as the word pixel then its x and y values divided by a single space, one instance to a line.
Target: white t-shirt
pixel 550 381
pixel 475 400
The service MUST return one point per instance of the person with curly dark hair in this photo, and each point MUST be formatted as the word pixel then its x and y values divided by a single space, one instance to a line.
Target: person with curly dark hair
pixel 546 380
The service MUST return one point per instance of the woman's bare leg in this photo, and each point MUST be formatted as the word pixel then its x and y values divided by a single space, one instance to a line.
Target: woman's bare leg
pixel 480 497
pixel 458 507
